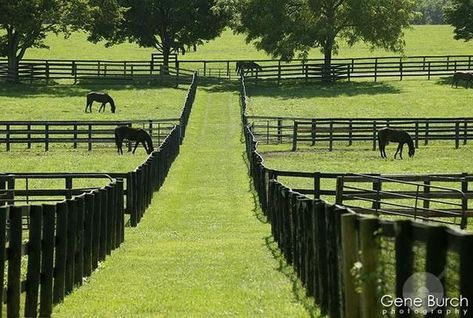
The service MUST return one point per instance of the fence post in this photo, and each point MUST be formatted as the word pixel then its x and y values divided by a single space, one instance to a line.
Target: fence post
pixel 89 137
pixel 279 130
pixel 4 211
pixel 400 68
pixel 375 69
pixel 8 137
pixel 34 261
pixel 426 141
pixel 88 233
pixel 294 136
pixel 349 258
pixel 330 147
pixel 75 136
pixel 339 191
pixel 374 135
pixel 14 262
pixel 28 127
pixel 457 135
pixel 404 256
pixel 61 253
pixel 71 244
pixel 428 74
pixel 313 131
pixel 47 261
pixel 369 260
pixel 46 137
pixel 466 275
pixel 465 131
pixel 279 72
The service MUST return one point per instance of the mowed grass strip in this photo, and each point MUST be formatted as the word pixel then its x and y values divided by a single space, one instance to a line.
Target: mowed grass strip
pixel 200 250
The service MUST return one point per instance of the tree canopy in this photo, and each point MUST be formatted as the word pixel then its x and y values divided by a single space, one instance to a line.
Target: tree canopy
pixel 25 24
pixel 460 14
pixel 166 25
pixel 431 11
pixel 284 28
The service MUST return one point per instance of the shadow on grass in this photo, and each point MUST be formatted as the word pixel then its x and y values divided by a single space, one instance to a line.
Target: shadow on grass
pixel 24 90
pixel 290 90
pixel 288 271
pixel 447 81
pixel 297 288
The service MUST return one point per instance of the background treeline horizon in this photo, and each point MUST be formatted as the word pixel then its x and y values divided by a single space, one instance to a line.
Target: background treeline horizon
pixel 430 11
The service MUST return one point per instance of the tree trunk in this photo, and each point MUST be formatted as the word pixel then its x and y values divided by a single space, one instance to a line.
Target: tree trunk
pixel 327 68
pixel 12 72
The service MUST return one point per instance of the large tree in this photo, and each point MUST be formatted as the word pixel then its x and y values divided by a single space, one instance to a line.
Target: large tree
pixel 25 23
pixel 166 25
pixel 284 28
pixel 460 15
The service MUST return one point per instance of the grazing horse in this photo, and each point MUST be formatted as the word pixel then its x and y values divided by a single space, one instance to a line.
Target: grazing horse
pixel 243 66
pixel 103 98
pixel 397 135
pixel 133 134
pixel 466 76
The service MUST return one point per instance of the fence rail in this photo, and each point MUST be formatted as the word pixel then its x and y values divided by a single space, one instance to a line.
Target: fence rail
pixel 294 130
pixel 91 133
pixel 335 252
pixel 370 67
pixel 32 69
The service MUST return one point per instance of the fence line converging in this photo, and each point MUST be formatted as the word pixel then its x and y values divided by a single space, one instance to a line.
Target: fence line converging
pixel 336 251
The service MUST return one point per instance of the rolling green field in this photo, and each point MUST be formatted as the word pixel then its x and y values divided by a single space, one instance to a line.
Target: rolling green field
pixel 420 40
pixel 388 98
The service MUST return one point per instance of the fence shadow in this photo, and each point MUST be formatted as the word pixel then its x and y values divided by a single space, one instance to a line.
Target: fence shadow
pixel 293 90
pixel 288 271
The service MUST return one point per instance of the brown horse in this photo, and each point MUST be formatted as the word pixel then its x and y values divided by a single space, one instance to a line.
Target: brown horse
pixel 133 134
pixel 465 76
pixel 242 67
pixel 397 135
pixel 103 98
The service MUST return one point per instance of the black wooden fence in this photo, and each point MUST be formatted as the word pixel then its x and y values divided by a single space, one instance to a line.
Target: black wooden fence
pixel 313 131
pixel 371 67
pixel 64 244
pixel 90 133
pixel 46 70
pixel 348 261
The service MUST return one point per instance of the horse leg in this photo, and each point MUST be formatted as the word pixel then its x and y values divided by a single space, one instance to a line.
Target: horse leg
pixel 400 152
pixel 102 107
pixel 397 150
pixel 136 145
pixel 88 105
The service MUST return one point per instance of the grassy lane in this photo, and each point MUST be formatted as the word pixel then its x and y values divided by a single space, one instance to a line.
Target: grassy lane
pixel 200 250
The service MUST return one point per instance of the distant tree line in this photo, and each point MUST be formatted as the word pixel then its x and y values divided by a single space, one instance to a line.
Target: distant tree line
pixel 430 11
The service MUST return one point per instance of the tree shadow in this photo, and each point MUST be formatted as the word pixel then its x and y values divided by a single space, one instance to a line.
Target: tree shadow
pixel 291 90
pixel 54 89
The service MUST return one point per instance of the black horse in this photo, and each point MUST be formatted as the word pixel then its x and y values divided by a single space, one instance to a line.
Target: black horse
pixel 243 67
pixel 103 98
pixel 133 134
pixel 465 76
pixel 397 135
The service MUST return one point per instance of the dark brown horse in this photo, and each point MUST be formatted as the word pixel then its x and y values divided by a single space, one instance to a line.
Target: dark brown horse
pixel 103 98
pixel 242 67
pixel 462 75
pixel 133 134
pixel 387 134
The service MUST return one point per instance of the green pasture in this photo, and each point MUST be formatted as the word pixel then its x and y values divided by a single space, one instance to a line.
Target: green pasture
pixel 201 249
pixel 67 101
pixel 420 40
pixel 411 97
